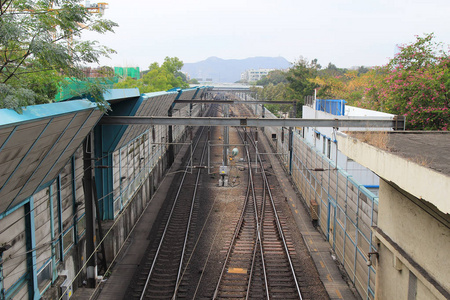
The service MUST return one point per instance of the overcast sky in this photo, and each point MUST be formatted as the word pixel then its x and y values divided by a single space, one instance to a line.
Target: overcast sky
pixel 345 32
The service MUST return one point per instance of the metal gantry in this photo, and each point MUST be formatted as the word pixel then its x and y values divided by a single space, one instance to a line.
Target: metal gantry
pixel 397 123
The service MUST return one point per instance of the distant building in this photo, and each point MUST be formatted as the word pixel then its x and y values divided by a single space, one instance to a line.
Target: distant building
pixel 127 72
pixel 98 72
pixel 254 75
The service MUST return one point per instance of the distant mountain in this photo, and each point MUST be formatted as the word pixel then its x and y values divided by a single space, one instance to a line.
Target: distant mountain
pixel 229 70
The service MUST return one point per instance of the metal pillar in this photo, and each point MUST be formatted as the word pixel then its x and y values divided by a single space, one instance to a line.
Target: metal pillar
pixel 2 286
pixel 291 149
pixel 225 137
pixel 263 115
pixel 170 151
pixel 256 150
pixel 52 234
pixel 33 289
pixel 89 211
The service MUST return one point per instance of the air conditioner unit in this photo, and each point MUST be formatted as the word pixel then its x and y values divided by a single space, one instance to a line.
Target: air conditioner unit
pixel 66 289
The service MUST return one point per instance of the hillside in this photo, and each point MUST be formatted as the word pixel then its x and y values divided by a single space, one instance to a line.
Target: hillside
pixel 229 70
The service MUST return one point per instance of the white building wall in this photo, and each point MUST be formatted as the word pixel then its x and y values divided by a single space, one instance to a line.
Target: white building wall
pixel 254 75
pixel 324 140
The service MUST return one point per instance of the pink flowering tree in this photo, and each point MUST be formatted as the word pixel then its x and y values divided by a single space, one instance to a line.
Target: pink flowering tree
pixel 416 84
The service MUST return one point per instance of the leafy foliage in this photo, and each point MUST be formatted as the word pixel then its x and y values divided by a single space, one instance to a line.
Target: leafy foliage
pixel 274 77
pixel 416 84
pixel 39 42
pixel 295 84
pixel 158 78
pixel 300 78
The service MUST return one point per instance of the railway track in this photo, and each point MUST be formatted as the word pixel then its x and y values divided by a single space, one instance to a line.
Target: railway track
pixel 237 246
pixel 160 274
pixel 258 262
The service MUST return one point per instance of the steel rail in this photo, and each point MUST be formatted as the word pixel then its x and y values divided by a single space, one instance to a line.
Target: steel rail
pixel 258 232
pixel 168 222
pixel 279 226
pixel 258 241
pixel 178 282
pixel 233 239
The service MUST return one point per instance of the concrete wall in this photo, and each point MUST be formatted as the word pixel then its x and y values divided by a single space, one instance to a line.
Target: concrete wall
pixel 413 230
pixel 408 175
pixel 421 238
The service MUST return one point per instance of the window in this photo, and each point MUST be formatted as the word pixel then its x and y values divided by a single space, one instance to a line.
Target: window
pixel 81 225
pixel 324 148
pixel 68 239
pixel 329 148
pixel 44 277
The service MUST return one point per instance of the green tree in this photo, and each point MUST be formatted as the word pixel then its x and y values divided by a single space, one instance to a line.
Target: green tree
pixel 275 77
pixel 301 79
pixel 39 41
pixel 416 84
pixel 332 70
pixel 158 78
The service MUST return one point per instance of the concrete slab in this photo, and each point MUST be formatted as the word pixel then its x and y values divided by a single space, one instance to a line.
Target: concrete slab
pixel 83 294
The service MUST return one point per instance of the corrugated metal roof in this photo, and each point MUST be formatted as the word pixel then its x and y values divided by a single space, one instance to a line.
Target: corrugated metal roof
pixel 152 104
pixel 116 94
pixel 200 93
pixel 36 145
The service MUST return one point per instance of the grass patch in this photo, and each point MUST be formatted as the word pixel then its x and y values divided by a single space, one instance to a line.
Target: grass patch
pixel 379 139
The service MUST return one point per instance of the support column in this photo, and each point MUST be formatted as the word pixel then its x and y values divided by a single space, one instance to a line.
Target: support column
pixel 2 286
pixel 291 148
pixel 225 136
pixel 170 151
pixel 223 181
pixel 263 115
pixel 89 212
pixel 33 288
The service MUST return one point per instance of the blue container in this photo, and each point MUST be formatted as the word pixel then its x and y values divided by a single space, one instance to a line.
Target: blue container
pixel 331 106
